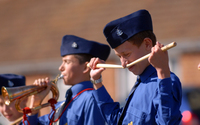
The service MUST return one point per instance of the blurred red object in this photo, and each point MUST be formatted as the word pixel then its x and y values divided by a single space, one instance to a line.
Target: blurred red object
pixel 189 118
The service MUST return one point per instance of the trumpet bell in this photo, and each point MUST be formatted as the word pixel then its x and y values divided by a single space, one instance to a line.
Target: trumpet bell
pixel 11 94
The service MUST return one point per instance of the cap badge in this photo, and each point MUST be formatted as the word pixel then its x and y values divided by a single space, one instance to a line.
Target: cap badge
pixel 119 32
pixel 10 83
pixel 74 45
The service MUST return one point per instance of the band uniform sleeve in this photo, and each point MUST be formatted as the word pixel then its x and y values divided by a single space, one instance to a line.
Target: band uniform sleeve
pixel 110 110
pixel 92 113
pixel 168 101
pixel 35 120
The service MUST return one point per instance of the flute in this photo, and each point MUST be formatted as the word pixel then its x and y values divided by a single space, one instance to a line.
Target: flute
pixel 164 48
pixel 107 66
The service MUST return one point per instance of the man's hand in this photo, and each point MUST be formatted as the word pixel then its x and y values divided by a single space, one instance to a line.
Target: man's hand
pixel 95 72
pixel 159 60
pixel 37 99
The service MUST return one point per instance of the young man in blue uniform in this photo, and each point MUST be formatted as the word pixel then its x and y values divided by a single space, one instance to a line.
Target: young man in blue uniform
pixel 9 111
pixel 156 96
pixel 81 107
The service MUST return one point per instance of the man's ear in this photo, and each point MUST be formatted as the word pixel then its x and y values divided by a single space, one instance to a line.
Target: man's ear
pixel 148 43
pixel 86 68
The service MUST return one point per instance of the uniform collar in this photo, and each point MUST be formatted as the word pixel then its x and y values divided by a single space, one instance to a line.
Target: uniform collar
pixel 147 72
pixel 80 86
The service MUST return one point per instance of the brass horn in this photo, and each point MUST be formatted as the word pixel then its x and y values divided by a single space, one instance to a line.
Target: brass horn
pixel 11 94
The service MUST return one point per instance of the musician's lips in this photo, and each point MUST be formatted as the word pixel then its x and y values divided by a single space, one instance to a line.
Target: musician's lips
pixel 62 75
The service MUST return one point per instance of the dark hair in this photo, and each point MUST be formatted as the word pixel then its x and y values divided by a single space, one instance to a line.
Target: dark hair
pixel 83 57
pixel 138 38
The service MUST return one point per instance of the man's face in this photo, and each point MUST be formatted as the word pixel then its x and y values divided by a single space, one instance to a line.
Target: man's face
pixel 9 111
pixel 72 70
pixel 128 52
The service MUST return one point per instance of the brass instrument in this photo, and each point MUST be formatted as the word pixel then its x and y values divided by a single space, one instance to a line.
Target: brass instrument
pixel 11 94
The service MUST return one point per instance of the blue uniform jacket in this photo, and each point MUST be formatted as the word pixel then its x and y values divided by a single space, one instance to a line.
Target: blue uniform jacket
pixel 155 101
pixel 83 110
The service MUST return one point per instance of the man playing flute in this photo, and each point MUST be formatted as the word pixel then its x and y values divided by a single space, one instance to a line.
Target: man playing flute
pixel 156 96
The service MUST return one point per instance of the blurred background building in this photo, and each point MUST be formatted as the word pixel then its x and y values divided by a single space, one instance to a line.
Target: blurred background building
pixel 31 33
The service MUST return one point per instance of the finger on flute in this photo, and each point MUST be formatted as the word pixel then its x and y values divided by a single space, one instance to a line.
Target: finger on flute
pixel 164 48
